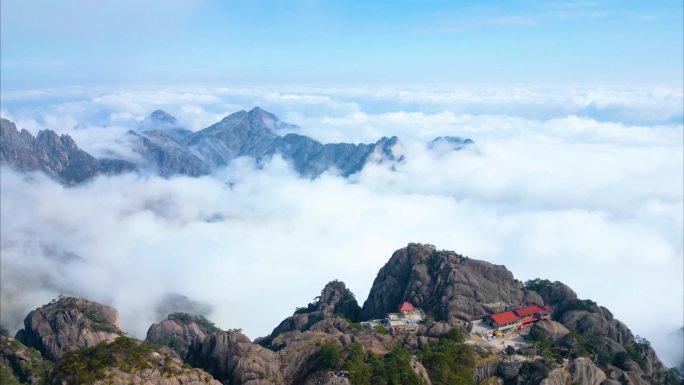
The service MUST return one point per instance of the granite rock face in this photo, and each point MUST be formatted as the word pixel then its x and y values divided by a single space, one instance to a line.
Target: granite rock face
pixel 20 363
pixel 179 331
pixel 584 371
pixel 447 285
pixel 551 329
pixel 233 357
pixel 68 324
pixel 57 156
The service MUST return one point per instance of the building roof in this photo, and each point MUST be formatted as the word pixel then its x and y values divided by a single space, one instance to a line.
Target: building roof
pixel 406 306
pixel 504 318
pixel 529 310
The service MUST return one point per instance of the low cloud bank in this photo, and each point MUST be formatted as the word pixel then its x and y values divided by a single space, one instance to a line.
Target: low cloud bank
pixel 597 205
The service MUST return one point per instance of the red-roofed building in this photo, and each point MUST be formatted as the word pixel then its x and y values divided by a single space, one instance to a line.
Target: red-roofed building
pixel 406 307
pixel 407 316
pixel 533 313
pixel 505 320
pixel 519 318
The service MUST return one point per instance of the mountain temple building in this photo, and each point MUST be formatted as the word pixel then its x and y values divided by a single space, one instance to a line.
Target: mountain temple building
pixel 498 324
pixel 407 316
pixel 518 318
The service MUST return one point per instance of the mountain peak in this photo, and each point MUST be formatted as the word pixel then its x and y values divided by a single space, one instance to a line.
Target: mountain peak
pixel 235 116
pixel 162 116
pixel 159 120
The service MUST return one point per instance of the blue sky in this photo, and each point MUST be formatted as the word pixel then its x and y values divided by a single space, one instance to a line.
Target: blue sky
pixel 126 42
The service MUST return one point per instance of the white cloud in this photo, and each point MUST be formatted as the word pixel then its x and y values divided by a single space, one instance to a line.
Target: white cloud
pixel 595 204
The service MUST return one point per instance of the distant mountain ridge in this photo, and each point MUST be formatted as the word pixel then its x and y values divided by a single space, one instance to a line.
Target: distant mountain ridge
pixel 253 134
pixel 171 149
pixel 57 156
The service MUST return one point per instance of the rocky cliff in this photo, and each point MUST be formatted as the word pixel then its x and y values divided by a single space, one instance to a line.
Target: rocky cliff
pixel 67 324
pixel 446 285
pixel 55 155
pixel 179 331
pixel 21 364
pixel 322 343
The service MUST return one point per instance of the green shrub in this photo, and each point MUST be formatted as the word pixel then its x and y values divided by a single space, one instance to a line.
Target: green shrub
pixel 328 357
pixel 380 329
pixel 87 365
pixel 360 372
pixel 202 322
pixel 355 326
pixel 449 361
pixel 398 369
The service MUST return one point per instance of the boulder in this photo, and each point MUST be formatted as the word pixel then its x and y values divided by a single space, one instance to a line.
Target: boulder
pixel 551 292
pixel 435 329
pixel 231 356
pixel 532 298
pixel 584 371
pixel 551 329
pixel 68 324
pixel 558 376
pixel 179 331
pixel 532 372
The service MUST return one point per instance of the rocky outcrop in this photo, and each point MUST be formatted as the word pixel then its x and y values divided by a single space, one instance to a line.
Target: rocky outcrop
pixel 57 156
pixel 233 357
pixel 447 285
pixel 585 372
pixel 337 299
pixel 551 293
pixel 179 331
pixel 585 321
pixel 551 329
pixel 68 324
pixel 297 357
pixel 532 298
pixel 558 376
pixel 331 312
pixel 20 363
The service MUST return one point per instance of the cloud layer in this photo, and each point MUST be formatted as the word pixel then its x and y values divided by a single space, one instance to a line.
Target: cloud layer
pixel 552 189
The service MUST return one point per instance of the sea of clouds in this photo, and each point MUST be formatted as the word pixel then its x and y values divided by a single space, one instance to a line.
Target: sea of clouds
pixel 582 185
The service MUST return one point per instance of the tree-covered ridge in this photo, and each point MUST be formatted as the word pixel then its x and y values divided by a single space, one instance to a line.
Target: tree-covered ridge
pixel 447 361
pixel 201 321
pixel 124 355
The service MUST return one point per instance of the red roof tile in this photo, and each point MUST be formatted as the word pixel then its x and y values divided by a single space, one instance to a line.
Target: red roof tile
pixel 529 310
pixel 406 306
pixel 504 318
